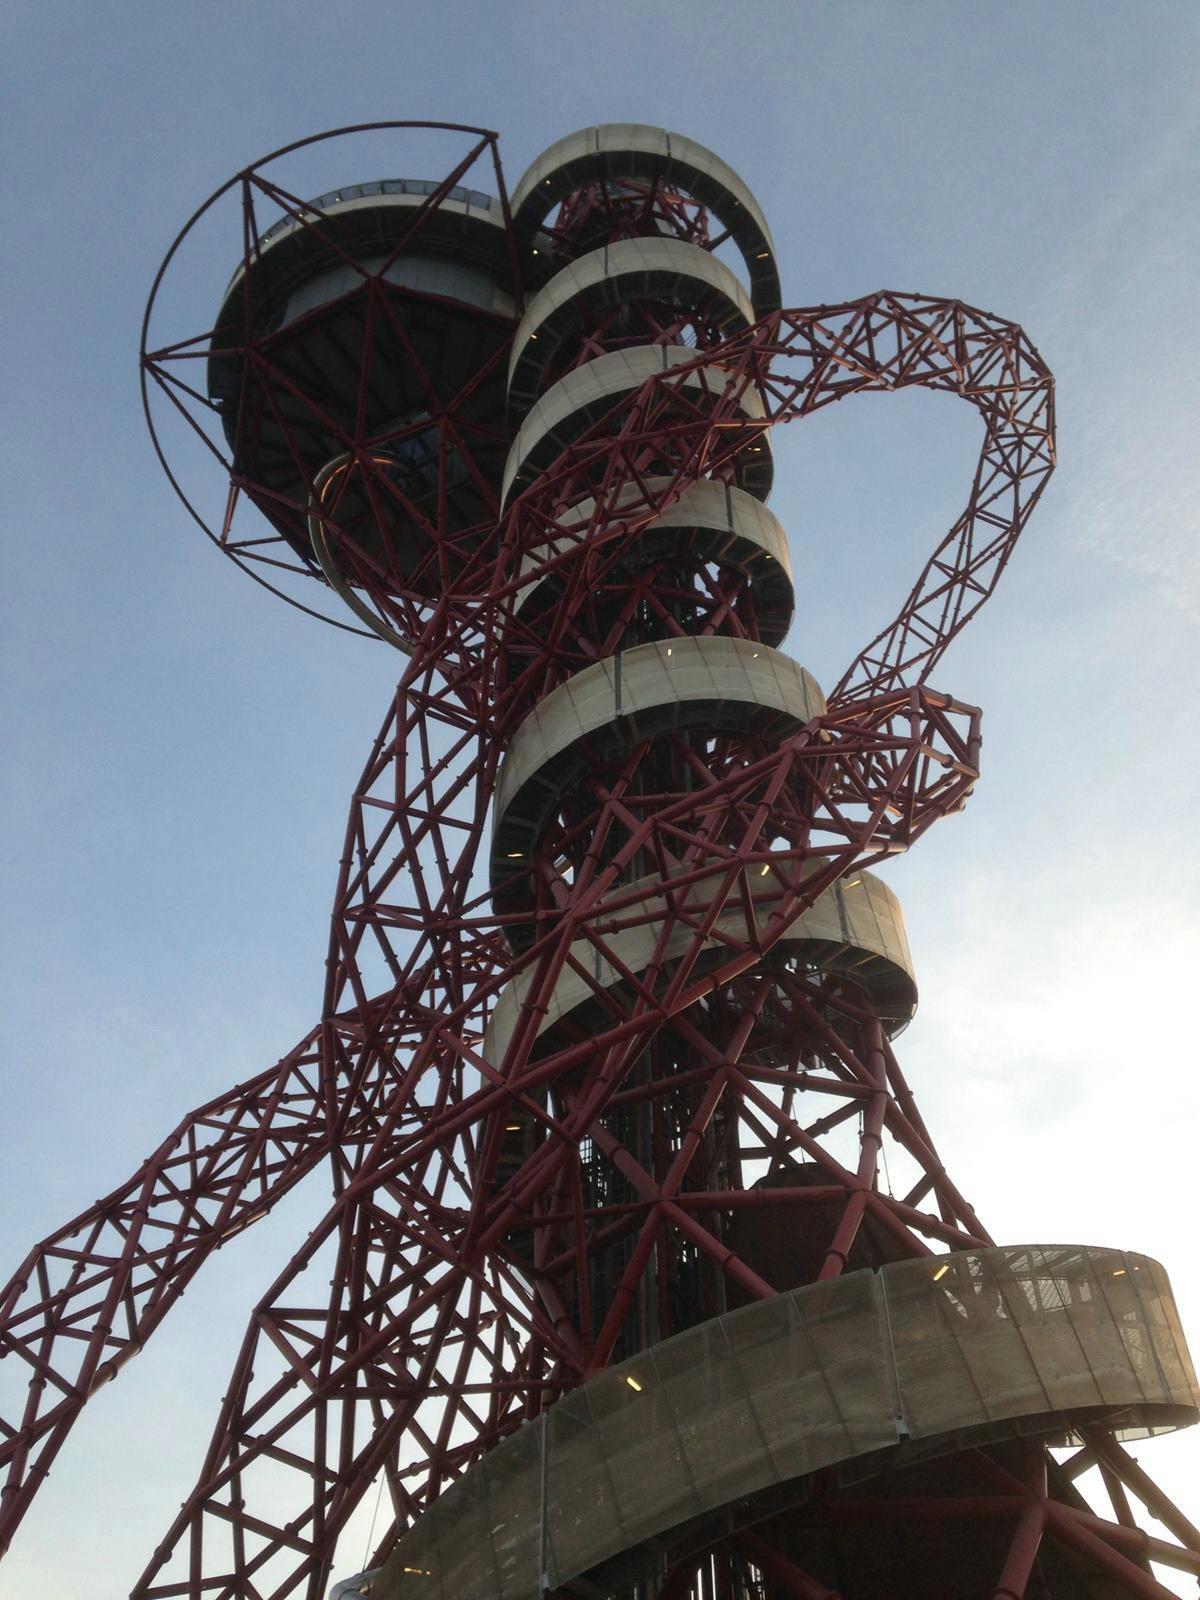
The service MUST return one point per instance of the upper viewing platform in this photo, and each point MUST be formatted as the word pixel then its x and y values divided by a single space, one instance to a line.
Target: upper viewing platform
pixel 381 309
pixel 361 379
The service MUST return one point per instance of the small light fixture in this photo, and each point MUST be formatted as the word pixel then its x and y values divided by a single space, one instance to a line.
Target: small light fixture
pixel 512 1127
pixel 633 1383
pixel 515 855
pixel 941 1272
pixel 765 870
pixel 1119 1272
pixel 668 649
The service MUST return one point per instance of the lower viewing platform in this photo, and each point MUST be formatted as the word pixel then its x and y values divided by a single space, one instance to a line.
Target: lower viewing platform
pixel 717 1427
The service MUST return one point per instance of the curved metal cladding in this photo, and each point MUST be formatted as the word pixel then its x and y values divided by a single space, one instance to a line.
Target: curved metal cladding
pixel 607 179
pixel 711 525
pixel 718 1427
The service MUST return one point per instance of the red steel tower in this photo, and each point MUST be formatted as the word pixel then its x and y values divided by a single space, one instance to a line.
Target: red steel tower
pixel 642 1275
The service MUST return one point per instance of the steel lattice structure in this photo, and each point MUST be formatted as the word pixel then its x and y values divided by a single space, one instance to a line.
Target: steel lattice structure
pixel 606 1056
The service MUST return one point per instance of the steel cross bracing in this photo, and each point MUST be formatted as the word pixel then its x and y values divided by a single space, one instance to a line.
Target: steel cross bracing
pixel 499 1212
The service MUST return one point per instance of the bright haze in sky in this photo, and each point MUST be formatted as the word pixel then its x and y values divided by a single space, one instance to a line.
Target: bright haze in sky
pixel 180 746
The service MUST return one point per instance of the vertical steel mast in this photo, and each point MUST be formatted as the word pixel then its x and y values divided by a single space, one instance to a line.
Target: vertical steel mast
pixel 642 1274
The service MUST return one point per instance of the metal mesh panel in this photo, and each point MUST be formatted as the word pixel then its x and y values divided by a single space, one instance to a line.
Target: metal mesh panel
pixel 583 1505
pixel 512 1483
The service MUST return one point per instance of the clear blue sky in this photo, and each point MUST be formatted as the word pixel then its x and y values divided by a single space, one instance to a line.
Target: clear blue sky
pixel 180 746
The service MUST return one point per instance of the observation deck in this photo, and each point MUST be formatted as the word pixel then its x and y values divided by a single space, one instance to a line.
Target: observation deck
pixel 378 312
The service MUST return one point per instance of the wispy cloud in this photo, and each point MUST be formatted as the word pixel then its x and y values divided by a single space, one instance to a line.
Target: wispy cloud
pixel 1120 296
